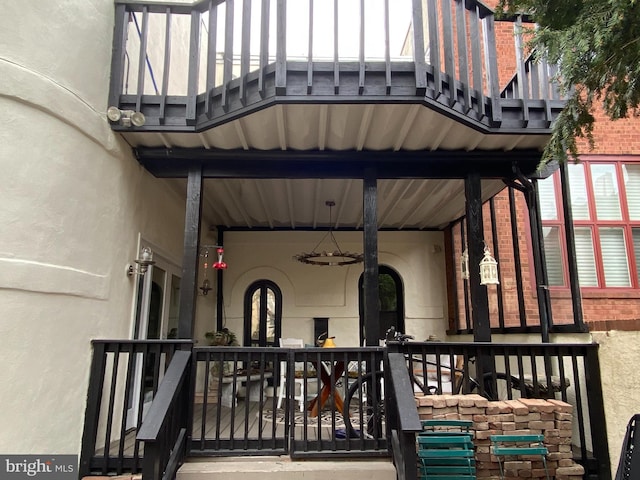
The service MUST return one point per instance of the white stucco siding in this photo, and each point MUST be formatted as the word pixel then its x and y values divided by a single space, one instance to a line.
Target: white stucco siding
pixel 73 203
pixel 67 42
pixel 312 291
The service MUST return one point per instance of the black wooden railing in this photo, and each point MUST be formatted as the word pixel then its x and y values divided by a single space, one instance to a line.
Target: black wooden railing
pixel 195 66
pixel 233 415
pixel 125 376
pixel 567 372
pixel 367 399
pixel 165 427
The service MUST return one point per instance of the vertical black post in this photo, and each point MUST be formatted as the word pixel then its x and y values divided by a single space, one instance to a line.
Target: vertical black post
pixel 189 282
pixel 370 240
pixel 596 413
pixel 537 241
pixel 496 252
pixel 516 256
pixel 475 245
pixel 219 285
pixel 572 263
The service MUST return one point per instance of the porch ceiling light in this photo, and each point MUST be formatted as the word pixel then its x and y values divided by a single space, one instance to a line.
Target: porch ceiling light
pixel 337 257
pixel 144 260
pixel 126 118
pixel 488 269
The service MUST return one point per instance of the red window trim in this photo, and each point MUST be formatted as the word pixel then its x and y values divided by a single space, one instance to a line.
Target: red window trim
pixel 593 224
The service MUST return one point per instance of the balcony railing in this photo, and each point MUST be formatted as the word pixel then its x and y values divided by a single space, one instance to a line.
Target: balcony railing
pixel 364 399
pixel 190 67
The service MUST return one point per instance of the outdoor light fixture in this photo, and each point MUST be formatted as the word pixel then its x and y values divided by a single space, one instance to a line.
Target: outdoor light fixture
pixel 488 269
pixel 335 258
pixel 219 265
pixel 126 118
pixel 464 265
pixel 145 258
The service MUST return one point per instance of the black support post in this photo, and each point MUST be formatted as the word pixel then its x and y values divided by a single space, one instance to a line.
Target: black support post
pixel 370 237
pixel 475 245
pixel 189 282
pixel 572 262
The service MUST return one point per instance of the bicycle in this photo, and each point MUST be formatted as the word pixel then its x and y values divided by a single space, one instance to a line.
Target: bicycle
pixel 366 391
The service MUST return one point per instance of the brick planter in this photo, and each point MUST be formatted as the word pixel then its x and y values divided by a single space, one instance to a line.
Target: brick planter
pixel 552 418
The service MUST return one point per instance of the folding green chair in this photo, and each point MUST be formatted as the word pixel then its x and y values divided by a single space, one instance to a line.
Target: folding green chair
pixel 445 450
pixel 516 445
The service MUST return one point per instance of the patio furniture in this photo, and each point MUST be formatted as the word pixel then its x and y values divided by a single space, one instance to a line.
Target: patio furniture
pixel 299 382
pixel 445 450
pixel 516 445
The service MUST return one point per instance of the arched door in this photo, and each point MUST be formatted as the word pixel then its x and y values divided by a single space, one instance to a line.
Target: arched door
pixel 390 301
pixel 262 314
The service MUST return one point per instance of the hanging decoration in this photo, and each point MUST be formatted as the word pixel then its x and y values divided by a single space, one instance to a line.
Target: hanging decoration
pixel 488 269
pixel 218 265
pixel 337 257
pixel 464 265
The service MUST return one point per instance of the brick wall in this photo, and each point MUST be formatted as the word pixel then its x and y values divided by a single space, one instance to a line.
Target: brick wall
pixel 551 418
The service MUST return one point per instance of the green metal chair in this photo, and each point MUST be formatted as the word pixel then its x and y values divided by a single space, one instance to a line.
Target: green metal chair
pixel 516 445
pixel 445 450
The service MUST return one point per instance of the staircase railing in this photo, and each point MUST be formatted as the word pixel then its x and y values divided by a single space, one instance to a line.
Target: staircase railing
pixel 402 416
pixel 125 376
pixel 165 427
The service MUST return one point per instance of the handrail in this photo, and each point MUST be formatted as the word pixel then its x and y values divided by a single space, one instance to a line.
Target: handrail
pixel 165 442
pixel 115 385
pixel 402 416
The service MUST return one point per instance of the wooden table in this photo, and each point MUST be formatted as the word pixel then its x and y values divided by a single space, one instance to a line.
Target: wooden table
pixel 327 373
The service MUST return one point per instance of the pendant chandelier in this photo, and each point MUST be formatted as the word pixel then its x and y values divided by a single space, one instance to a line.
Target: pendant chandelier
pixel 337 257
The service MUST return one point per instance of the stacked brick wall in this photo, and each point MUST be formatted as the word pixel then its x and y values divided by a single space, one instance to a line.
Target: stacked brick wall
pixel 551 418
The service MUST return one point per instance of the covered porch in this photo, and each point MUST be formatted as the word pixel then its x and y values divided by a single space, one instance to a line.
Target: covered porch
pixel 412 146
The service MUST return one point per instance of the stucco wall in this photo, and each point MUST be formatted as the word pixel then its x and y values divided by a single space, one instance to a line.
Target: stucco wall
pixel 314 291
pixel 619 352
pixel 73 203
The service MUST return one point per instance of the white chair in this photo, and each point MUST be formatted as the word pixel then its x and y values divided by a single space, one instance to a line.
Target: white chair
pixel 300 383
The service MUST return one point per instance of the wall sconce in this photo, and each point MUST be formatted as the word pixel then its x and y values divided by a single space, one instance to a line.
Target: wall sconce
pixel 145 258
pixel 219 265
pixel 488 269
pixel 126 118
pixel 464 265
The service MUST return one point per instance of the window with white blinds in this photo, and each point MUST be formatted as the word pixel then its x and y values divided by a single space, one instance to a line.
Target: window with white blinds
pixel 553 256
pixel 614 258
pixel 631 174
pixel 587 273
pixel 605 204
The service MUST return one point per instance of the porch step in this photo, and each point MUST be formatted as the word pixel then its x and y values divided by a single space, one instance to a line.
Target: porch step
pixel 284 468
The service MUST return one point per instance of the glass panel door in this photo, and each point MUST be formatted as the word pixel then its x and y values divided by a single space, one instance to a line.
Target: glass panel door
pixel 157 305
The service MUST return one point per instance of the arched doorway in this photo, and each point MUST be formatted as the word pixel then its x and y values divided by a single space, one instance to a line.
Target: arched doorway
pixel 262 314
pixel 390 301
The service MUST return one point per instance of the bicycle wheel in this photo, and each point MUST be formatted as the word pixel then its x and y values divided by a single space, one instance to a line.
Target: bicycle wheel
pixel 364 407
pixel 497 386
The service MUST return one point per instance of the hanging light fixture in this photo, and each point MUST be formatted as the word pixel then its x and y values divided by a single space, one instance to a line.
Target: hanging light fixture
pixel 464 265
pixel 337 257
pixel 488 269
